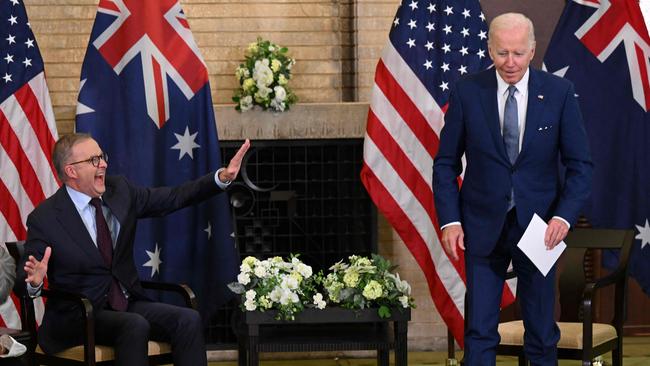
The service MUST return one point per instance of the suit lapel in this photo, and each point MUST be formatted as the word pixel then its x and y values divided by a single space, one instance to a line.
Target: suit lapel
pixel 534 109
pixel 70 220
pixel 490 105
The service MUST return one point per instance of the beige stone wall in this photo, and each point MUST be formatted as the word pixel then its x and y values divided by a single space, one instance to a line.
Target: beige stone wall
pixel 320 35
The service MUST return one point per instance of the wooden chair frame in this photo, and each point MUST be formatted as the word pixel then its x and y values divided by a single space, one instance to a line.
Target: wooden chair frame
pixel 574 285
pixel 85 307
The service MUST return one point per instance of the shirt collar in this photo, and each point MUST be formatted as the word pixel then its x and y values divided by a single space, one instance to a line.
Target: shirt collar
pixel 80 200
pixel 521 85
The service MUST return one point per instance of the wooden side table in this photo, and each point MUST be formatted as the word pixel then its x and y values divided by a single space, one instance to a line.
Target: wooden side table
pixel 330 329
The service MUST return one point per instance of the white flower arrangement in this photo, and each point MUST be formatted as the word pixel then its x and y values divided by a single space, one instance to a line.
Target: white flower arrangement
pixel 366 283
pixel 264 78
pixel 290 286
pixel 287 286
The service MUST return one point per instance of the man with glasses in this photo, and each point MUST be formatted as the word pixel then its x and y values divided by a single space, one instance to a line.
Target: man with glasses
pixel 82 238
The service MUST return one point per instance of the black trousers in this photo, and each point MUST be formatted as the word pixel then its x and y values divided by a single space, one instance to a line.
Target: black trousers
pixel 128 333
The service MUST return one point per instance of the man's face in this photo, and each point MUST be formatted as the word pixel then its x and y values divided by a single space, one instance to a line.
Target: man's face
pixel 84 176
pixel 511 53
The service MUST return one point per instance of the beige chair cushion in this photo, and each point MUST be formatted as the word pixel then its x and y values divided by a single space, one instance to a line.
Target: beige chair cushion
pixel 512 334
pixel 105 353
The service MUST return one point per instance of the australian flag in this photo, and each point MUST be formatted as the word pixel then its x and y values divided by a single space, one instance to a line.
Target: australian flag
pixel 604 48
pixel 145 97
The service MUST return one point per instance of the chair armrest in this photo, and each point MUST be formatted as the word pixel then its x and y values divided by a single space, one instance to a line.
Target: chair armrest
pixel 88 319
pixel 179 288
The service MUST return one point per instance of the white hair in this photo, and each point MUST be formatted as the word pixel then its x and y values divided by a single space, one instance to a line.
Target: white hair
pixel 508 21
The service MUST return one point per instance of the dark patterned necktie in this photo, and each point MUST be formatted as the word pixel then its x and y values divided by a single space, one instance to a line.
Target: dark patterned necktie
pixel 116 298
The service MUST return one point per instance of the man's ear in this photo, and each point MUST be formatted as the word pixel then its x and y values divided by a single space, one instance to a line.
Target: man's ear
pixel 70 171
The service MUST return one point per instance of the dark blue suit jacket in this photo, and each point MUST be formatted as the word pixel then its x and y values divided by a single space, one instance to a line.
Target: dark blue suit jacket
pixel 554 138
pixel 76 265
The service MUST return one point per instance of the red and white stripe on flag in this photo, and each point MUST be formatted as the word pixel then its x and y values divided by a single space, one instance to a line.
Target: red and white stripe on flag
pixel 27 176
pixel 402 137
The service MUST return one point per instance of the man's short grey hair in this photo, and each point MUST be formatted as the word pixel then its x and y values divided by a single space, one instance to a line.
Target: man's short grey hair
pixel 509 21
pixel 63 150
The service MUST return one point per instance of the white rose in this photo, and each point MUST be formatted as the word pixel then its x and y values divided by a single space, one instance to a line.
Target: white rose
pixel 287 296
pixel 250 305
pixel 276 294
pixel 246 103
pixel 263 92
pixel 278 106
pixel 244 268
pixel 304 270
pixel 262 74
pixel 280 93
pixel 289 283
pixel 318 301
pixel 243 278
pixel 261 271
pixel 404 300
pixel 250 295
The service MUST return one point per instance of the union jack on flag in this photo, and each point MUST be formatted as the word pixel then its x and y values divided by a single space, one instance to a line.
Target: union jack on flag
pixel 431 44
pixel 603 47
pixel 145 97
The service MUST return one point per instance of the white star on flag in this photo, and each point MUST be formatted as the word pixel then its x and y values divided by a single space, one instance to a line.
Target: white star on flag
pixel 428 64
pixel 29 43
pixel 154 260
pixel 27 62
pixel 413 5
pixel 186 144
pixel 7 77
pixel 82 108
pixel 208 230
pixel 644 234
pixel 412 24
pixel 560 72
pixel 449 10
pixel 13 20
pixel 430 26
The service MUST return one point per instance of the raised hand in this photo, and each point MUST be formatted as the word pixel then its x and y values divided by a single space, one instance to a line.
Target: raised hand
pixel 230 172
pixel 35 269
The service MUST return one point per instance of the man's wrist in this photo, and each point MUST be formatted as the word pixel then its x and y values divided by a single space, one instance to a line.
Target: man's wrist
pixel 223 184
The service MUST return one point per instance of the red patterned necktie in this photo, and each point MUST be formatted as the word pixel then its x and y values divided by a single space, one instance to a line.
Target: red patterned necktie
pixel 116 298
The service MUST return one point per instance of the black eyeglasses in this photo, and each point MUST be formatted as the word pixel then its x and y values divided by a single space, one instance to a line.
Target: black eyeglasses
pixel 94 160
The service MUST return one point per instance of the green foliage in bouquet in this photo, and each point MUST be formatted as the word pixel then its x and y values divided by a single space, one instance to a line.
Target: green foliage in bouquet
pixel 264 78
pixel 367 283
pixel 287 286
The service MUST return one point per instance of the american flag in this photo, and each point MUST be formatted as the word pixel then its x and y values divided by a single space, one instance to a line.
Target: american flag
pixel 431 44
pixel 27 134
pixel 603 47
pixel 145 97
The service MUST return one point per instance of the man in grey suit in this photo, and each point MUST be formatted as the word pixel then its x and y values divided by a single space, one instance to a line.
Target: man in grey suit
pixel 7 273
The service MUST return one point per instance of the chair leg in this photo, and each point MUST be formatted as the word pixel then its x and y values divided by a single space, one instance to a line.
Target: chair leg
pixel 617 357
pixel 522 360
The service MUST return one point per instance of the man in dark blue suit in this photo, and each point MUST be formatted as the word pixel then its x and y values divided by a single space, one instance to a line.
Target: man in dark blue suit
pixel 518 128
pixel 82 238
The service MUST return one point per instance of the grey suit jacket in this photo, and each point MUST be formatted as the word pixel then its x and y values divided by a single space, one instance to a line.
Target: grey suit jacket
pixel 7 273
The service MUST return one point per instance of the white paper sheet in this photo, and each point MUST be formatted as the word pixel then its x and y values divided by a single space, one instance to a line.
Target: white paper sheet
pixel 532 244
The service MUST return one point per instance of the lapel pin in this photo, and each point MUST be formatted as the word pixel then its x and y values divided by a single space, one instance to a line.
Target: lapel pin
pixel 540 97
